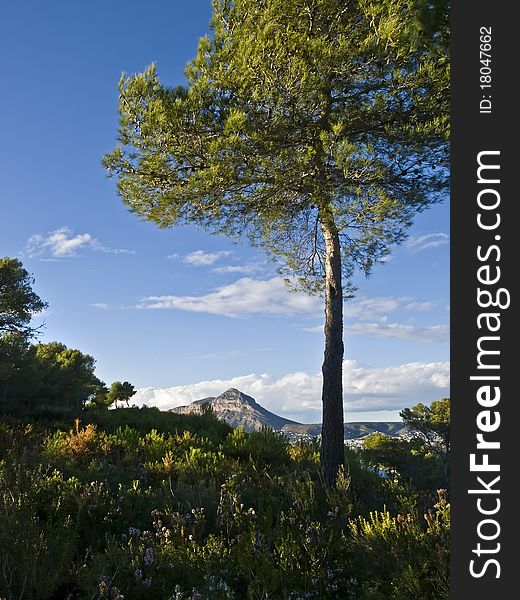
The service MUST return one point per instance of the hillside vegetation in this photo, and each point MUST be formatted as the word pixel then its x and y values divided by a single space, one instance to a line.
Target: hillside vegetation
pixel 140 504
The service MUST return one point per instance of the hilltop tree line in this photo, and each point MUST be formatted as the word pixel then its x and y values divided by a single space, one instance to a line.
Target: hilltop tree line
pixel 33 375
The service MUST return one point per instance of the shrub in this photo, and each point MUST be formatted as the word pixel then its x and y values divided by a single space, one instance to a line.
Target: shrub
pixel 265 446
pixel 38 532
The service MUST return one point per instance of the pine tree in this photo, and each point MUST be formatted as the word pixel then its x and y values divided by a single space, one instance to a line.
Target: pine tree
pixel 315 128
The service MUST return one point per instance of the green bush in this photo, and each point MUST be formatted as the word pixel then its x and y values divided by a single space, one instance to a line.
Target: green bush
pixel 38 531
pixel 265 446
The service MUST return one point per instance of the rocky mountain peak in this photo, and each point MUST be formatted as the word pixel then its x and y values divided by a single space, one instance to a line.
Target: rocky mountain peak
pixel 234 395
pixel 237 409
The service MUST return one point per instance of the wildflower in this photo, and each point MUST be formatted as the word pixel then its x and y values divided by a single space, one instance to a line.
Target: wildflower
pixel 115 594
pixel 222 585
pixel 103 588
pixel 311 535
pixel 148 557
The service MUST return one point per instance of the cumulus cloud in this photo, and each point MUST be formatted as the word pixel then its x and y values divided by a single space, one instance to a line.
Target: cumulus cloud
pixel 434 333
pixel 243 297
pixel 419 243
pixel 297 395
pixel 62 243
pixel 59 243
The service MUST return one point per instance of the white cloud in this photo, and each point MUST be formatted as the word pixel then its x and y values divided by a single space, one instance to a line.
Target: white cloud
pixel 243 297
pixel 254 296
pixel 396 387
pixel 369 315
pixel 420 306
pixel 419 243
pixel 100 248
pixel 106 306
pixel 435 333
pixel 100 305
pixel 245 269
pixel 62 243
pixel 373 308
pixel 59 243
pixel 297 395
pixel 199 258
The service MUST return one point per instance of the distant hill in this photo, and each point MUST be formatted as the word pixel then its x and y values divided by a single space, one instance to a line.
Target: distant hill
pixel 353 431
pixel 240 410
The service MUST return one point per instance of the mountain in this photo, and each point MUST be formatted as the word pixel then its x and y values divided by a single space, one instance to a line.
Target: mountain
pixel 240 410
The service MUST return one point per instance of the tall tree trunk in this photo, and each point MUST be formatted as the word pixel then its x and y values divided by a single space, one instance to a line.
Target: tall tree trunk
pixel 332 430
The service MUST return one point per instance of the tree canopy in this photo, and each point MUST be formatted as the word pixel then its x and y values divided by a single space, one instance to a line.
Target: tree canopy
pixel 120 392
pixel 67 375
pixel 18 301
pixel 431 424
pixel 292 108
pixel 45 375
pixel 315 128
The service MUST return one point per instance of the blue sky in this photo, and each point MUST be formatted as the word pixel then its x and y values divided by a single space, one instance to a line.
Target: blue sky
pixel 178 313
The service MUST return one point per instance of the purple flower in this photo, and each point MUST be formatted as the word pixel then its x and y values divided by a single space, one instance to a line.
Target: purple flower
pixel 148 557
